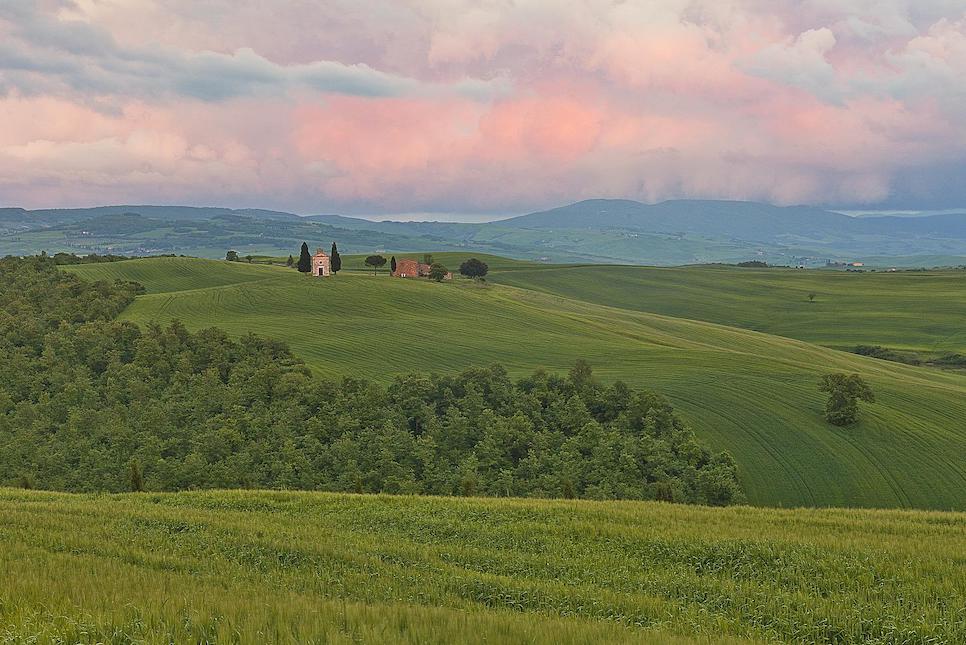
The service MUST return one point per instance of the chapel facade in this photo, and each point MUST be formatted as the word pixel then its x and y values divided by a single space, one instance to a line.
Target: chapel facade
pixel 321 264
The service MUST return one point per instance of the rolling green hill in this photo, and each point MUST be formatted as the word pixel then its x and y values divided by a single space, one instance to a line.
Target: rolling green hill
pixel 597 230
pixel 754 394
pixel 918 311
pixel 309 567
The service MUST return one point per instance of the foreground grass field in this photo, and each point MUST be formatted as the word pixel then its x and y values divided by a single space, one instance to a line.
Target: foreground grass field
pixel 751 393
pixel 307 567
pixel 916 311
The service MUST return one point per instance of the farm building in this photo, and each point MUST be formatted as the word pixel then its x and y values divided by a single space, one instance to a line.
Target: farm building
pixel 321 264
pixel 409 268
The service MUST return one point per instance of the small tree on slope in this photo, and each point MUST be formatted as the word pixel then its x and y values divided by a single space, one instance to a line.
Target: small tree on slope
pixel 474 268
pixel 845 391
pixel 438 272
pixel 375 261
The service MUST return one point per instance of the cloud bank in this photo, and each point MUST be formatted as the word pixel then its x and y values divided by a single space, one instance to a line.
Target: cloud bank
pixel 487 105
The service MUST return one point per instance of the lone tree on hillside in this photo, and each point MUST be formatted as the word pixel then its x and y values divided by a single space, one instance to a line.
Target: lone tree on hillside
pixel 290 262
pixel 474 268
pixel 232 256
pixel 305 260
pixel 392 264
pixel 438 272
pixel 811 297
pixel 335 260
pixel 375 261
pixel 844 393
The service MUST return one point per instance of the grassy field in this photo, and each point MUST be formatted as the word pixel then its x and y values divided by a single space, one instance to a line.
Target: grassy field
pixel 308 567
pixel 751 393
pixel 922 312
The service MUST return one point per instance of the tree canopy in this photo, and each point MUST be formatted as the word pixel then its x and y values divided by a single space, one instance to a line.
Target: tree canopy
pixel 845 391
pixel 375 261
pixel 438 272
pixel 474 268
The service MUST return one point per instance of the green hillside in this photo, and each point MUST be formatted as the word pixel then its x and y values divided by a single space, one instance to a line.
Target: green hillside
pixel 309 567
pixel 164 275
pixel 751 393
pixel 918 311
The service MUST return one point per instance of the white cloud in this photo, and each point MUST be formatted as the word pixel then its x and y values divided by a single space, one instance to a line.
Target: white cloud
pixel 800 62
pixel 46 53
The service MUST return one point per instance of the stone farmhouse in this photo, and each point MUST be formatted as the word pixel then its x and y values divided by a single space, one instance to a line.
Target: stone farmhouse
pixel 321 264
pixel 409 268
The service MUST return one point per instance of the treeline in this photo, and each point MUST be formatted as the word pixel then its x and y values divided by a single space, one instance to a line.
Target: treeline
pixel 88 403
pixel 948 360
pixel 90 258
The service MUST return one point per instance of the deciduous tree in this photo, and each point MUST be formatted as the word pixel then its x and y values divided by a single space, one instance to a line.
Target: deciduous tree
pixel 474 268
pixel 438 272
pixel 845 391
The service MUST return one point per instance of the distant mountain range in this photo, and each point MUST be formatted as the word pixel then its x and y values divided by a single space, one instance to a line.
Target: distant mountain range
pixel 597 230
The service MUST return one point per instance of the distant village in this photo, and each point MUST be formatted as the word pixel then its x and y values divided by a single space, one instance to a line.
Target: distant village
pixel 402 268
pixel 323 265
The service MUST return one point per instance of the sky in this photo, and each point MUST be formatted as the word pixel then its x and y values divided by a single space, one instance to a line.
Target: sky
pixel 481 107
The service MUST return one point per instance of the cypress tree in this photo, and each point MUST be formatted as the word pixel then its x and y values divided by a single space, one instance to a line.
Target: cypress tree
pixel 336 259
pixel 290 262
pixel 392 264
pixel 305 260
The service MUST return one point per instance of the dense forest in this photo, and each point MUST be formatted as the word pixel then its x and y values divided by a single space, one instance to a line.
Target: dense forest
pixel 89 403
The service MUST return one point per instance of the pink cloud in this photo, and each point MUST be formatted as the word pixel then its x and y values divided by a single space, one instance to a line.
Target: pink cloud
pixel 451 104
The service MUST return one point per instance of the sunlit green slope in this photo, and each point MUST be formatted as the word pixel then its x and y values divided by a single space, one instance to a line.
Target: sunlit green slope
pixel 255 567
pixel 752 393
pixel 919 311
pixel 167 274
